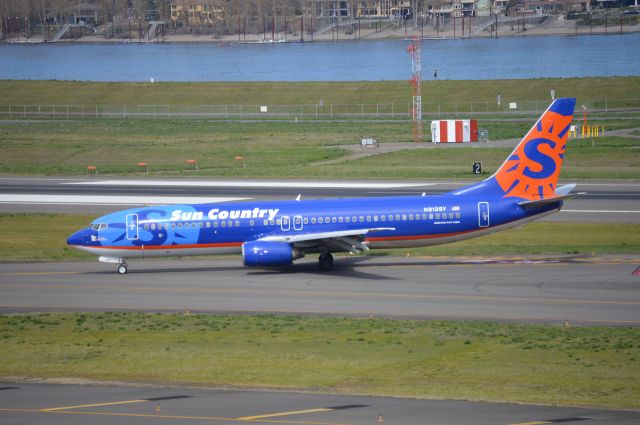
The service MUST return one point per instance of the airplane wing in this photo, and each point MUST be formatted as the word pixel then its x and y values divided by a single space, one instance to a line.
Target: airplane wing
pixel 562 193
pixel 341 240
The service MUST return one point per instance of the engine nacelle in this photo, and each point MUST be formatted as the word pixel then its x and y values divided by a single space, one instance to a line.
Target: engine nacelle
pixel 265 253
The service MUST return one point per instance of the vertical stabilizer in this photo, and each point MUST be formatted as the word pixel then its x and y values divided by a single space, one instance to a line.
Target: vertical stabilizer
pixel 532 170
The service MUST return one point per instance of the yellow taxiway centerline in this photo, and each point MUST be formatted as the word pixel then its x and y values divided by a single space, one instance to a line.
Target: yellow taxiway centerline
pixel 172 417
pixel 380 295
pixel 275 415
pixel 80 406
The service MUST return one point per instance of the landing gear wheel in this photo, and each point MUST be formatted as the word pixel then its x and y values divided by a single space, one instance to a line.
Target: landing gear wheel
pixel 325 262
pixel 122 269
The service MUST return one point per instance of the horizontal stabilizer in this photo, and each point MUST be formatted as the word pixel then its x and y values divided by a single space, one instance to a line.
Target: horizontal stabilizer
pixel 527 205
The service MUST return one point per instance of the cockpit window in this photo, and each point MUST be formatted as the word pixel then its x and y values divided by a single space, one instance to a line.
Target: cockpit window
pixel 99 226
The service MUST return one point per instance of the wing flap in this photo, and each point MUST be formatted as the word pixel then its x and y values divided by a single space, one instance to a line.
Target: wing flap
pixel 302 237
pixel 341 240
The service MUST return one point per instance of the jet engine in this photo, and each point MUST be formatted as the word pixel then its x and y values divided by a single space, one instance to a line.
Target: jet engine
pixel 265 253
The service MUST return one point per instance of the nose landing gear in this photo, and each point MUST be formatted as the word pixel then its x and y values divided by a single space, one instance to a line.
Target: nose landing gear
pixel 122 268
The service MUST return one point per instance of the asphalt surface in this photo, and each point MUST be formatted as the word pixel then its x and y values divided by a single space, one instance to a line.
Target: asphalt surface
pixel 603 202
pixel 591 290
pixel 80 404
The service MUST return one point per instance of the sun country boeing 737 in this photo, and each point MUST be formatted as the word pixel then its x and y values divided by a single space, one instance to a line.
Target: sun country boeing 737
pixel 276 233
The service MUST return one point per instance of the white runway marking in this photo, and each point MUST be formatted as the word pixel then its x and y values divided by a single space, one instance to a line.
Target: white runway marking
pixel 251 183
pixel 109 200
pixel 602 211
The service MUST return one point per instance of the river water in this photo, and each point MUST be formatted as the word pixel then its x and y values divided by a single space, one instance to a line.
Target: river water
pixel 468 59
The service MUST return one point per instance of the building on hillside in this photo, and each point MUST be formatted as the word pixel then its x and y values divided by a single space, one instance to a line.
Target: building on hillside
pixel 197 11
pixel 83 13
pixel 550 7
pixel 359 8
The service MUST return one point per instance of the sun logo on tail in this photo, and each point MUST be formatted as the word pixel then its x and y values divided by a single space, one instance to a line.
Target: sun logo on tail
pixel 532 170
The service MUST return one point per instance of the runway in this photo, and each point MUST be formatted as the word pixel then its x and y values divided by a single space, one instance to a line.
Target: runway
pixel 79 404
pixel 598 290
pixel 603 202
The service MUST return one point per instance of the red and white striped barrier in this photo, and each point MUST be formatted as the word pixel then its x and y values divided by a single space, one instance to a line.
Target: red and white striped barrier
pixel 454 131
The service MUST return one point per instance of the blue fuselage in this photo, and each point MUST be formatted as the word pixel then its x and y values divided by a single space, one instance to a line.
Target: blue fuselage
pixel 222 228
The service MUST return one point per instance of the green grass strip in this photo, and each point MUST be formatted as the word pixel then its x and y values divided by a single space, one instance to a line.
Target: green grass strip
pixel 578 366
pixel 311 93
pixel 284 149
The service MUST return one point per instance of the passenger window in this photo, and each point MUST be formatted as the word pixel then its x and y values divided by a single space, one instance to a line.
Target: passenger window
pixel 215 224
pixel 411 217
pixel 457 215
pixel 383 218
pixel 424 216
pixel 251 223
pixel 437 216
pixel 404 217
pixel 361 219
pixel 173 225
pixel 223 223
pixel 313 220
pixel 334 220
pixel 146 227
pixel 430 216
pixel 320 220
pixel 230 223
pixel 237 223
pixel 340 219
pixel 450 215
pixel 306 220
pixel 347 219
pixel 354 219
pixel 266 222
pixel 375 218
pixel 397 217
pixel 208 224
pixel 368 218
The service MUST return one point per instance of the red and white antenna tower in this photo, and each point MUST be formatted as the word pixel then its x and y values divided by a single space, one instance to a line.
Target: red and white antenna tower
pixel 416 83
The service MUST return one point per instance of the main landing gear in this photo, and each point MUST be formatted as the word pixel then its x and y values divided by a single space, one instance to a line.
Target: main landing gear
pixel 122 268
pixel 325 262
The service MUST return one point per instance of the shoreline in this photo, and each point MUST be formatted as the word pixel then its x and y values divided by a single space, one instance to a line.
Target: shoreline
pixel 557 26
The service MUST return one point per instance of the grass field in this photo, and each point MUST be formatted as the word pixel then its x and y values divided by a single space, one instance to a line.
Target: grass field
pixel 285 148
pixel 278 150
pixel 426 359
pixel 42 237
pixel 294 93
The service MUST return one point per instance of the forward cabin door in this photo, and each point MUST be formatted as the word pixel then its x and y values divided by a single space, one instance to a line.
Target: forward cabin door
pixel 132 227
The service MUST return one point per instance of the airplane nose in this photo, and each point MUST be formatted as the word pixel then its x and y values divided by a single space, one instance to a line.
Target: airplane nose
pixel 80 237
